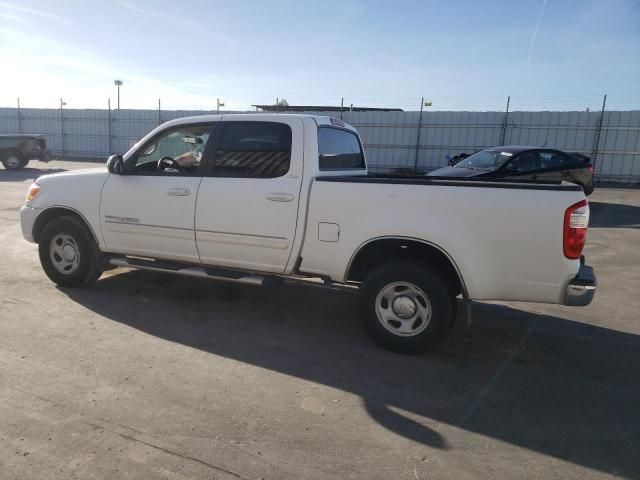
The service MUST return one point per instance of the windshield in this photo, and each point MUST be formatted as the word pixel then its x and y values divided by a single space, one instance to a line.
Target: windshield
pixel 485 160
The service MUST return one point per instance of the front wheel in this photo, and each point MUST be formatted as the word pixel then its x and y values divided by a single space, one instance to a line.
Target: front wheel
pixel 68 253
pixel 13 161
pixel 407 308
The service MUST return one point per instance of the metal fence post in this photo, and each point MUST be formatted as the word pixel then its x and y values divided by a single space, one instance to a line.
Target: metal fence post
pixel 108 126
pixel 596 142
pixel 505 125
pixel 159 116
pixel 415 162
pixel 61 128
pixel 19 117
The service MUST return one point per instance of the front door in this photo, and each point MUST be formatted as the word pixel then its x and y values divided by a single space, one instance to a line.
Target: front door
pixel 149 210
pixel 247 207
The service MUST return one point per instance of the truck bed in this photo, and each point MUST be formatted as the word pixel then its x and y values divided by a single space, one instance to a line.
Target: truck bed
pixel 504 236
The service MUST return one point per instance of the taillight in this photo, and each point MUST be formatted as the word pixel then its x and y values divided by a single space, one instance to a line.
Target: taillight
pixel 576 221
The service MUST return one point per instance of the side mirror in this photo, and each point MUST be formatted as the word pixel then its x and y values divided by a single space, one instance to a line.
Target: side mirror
pixel 115 164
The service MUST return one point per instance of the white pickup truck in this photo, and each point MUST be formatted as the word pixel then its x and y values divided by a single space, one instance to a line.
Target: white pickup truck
pixel 260 198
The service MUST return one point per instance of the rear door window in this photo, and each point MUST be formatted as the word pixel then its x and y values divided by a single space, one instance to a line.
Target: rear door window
pixel 339 150
pixel 553 159
pixel 252 150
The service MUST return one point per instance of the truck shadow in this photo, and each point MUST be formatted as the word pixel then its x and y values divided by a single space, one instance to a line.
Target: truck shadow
pixel 614 215
pixel 550 385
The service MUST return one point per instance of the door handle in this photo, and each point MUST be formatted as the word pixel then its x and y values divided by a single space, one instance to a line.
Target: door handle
pixel 534 177
pixel 279 197
pixel 179 192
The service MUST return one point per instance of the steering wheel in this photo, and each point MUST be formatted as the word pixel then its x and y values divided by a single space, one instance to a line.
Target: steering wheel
pixel 168 162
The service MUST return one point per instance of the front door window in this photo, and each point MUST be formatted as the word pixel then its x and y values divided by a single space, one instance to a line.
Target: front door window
pixel 178 151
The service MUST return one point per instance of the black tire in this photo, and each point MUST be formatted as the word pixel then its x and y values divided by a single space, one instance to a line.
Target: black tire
pixel 89 263
pixel 13 161
pixel 439 298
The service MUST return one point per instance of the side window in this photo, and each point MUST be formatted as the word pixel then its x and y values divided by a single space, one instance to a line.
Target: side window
pixel 253 150
pixel 176 151
pixel 525 162
pixel 339 150
pixel 551 159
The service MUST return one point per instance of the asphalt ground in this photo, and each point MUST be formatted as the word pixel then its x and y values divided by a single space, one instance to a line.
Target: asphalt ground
pixel 147 376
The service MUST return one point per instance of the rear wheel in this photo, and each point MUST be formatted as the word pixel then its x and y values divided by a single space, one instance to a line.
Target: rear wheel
pixel 407 308
pixel 68 253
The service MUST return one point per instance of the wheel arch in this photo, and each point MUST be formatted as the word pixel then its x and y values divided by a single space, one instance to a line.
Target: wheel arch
pixel 52 212
pixel 398 248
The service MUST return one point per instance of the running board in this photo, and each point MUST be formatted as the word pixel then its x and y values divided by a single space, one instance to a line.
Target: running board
pixel 192 271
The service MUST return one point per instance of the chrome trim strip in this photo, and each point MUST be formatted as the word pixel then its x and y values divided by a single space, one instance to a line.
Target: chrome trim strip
pixel 148 225
pixel 240 234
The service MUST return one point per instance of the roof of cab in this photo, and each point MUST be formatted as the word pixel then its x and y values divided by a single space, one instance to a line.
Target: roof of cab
pixel 264 117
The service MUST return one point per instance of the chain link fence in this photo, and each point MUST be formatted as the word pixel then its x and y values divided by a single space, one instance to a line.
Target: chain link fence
pixel 395 141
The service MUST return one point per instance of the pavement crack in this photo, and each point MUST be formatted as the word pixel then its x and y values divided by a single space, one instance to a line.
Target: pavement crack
pixel 169 451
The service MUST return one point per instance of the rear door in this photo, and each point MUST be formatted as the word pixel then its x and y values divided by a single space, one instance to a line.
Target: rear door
pixel 149 212
pixel 247 208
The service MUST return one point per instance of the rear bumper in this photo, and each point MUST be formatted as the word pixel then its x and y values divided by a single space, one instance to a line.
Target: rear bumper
pixel 581 290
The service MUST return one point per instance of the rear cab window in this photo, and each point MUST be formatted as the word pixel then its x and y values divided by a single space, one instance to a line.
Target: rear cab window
pixel 339 149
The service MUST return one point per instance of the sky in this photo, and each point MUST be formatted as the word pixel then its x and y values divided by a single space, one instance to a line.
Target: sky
pixel 460 55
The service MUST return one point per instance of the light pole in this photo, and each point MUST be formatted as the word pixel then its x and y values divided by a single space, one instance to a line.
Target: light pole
pixel 218 105
pixel 117 83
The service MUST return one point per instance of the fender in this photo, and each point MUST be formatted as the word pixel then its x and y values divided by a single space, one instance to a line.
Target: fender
pixel 39 219
pixel 413 239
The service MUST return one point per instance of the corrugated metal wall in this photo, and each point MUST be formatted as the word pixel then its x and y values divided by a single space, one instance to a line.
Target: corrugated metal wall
pixel 390 138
